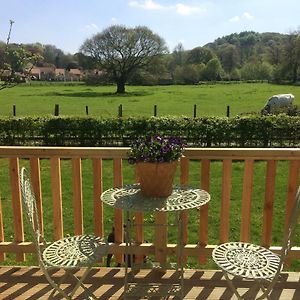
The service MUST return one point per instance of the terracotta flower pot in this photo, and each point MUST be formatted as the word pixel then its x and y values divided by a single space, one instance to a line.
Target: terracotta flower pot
pixel 156 179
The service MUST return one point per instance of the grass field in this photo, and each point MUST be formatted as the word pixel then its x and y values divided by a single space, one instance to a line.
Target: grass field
pixel 211 100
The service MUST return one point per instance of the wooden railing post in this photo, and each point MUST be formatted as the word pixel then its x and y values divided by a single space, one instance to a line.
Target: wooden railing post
pixel 246 200
pixel 203 230
pixel 160 237
pixel 139 232
pixel 36 184
pixel 293 181
pixel 77 196
pixel 98 205
pixel 184 180
pixel 225 200
pixel 57 198
pixel 2 255
pixel 118 214
pixel 269 203
pixel 16 203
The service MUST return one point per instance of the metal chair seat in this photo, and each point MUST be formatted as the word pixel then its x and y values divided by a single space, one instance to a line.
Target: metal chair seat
pixel 67 254
pixel 74 251
pixel 246 260
pixel 256 263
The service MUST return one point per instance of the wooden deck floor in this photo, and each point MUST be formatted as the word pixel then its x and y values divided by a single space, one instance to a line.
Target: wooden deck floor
pixel 107 283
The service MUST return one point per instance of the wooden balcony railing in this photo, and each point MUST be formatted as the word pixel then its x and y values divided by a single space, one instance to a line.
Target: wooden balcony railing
pixel 12 158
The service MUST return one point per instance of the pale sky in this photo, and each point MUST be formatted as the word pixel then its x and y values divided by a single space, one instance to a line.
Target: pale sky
pixel 67 23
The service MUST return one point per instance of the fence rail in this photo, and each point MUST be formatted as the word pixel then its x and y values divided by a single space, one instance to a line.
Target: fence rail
pixel 12 158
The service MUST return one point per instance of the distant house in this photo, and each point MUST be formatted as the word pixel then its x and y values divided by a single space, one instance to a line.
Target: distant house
pixel 74 75
pixel 94 72
pixel 35 73
pixel 60 74
pixel 43 73
pixel 47 73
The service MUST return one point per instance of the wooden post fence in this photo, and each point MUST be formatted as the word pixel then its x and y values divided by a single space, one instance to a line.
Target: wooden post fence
pixel 120 111
pixel 228 111
pixel 155 111
pixel 56 110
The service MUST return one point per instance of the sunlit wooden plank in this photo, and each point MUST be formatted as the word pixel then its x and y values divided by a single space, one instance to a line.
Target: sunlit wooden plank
pixel 36 185
pixel 246 200
pixel 293 182
pixel 77 196
pixel 97 191
pixel 16 204
pixel 56 198
pixel 225 200
pixel 203 230
pixel 2 254
pixel 269 203
pixel 118 214
pixel 160 237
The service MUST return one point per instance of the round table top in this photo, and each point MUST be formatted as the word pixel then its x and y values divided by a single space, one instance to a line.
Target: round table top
pixel 129 197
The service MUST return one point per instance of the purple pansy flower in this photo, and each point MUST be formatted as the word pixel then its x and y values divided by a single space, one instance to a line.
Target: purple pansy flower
pixel 156 149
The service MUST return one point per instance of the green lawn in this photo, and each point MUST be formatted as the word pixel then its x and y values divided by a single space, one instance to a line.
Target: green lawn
pixel 170 100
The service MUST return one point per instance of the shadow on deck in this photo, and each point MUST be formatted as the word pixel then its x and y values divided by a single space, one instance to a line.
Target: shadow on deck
pixel 107 283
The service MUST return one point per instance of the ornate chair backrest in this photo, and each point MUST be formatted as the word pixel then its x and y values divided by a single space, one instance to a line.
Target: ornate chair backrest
pixel 288 239
pixel 289 233
pixel 30 208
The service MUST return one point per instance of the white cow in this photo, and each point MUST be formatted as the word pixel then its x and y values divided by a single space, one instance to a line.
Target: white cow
pixel 276 102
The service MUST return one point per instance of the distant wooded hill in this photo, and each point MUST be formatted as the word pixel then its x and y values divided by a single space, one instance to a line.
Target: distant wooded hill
pixel 239 56
pixel 247 55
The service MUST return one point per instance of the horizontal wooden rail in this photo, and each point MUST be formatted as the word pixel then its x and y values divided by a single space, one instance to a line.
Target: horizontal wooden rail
pixel 95 161
pixel 121 152
pixel 141 249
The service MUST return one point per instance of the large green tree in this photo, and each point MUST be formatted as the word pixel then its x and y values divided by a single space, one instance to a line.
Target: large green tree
pixel 213 70
pixel 120 51
pixel 16 65
pixel 200 55
pixel 15 62
pixel 291 56
pixel 229 57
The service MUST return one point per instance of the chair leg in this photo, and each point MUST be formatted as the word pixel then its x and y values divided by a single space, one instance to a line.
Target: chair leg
pixel 231 285
pixel 266 292
pixel 56 287
pixel 257 284
pixel 80 283
pixel 58 283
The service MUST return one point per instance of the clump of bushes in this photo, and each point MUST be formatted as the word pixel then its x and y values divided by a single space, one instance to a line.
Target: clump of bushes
pixel 241 131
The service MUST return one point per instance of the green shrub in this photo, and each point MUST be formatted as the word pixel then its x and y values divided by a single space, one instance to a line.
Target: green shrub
pixel 242 131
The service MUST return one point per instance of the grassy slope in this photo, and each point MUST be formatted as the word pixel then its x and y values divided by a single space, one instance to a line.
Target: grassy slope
pixel 171 100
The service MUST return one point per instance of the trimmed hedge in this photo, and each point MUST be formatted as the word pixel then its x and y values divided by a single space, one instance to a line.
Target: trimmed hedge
pixel 246 131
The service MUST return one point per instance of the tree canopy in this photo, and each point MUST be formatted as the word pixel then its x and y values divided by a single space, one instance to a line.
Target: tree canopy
pixel 120 51
pixel 15 62
pixel 133 56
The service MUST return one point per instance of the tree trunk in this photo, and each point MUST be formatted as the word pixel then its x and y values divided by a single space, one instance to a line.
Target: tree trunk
pixel 120 87
pixel 295 71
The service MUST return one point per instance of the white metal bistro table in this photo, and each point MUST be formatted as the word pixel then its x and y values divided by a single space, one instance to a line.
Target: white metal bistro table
pixel 130 199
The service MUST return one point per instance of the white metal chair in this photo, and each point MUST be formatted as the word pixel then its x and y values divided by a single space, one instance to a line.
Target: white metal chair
pixel 254 262
pixel 69 254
